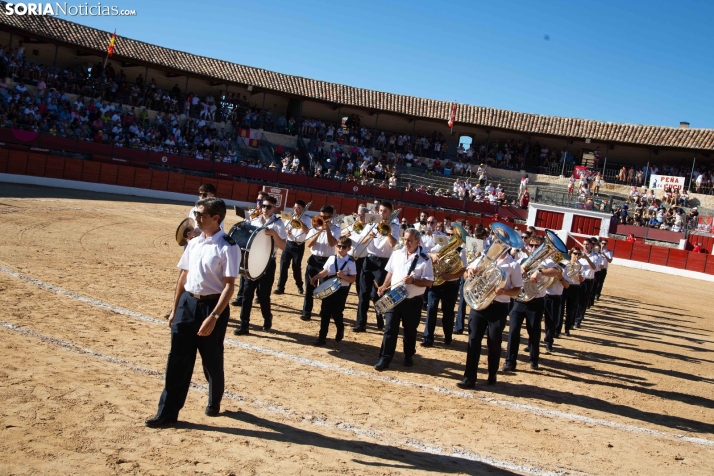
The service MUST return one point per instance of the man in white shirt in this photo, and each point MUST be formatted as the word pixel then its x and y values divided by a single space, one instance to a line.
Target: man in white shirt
pixel 294 250
pixel 606 257
pixel 409 266
pixel 491 319
pixel 321 241
pixel 552 305
pixel 379 249
pixel 275 228
pixel 531 312
pixel 571 295
pixel 199 317
pixel 588 272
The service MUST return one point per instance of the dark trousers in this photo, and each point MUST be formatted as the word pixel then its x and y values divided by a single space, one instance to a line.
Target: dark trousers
pixel 571 296
pixel 314 266
pixel 359 263
pixel 262 287
pixel 185 341
pixel 372 270
pixel 447 293
pixel 585 288
pixel 292 254
pixel 551 307
pixel 596 283
pixel 332 308
pixel 461 311
pixel 532 313
pixel 493 320
pixel 597 289
pixel 408 313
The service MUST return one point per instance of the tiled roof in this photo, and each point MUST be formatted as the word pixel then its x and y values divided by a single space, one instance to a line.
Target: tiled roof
pixel 126 48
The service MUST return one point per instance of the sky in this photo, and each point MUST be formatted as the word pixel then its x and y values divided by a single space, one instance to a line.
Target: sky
pixel 630 62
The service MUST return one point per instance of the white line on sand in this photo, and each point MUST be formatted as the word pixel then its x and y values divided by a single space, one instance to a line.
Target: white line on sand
pixel 372 376
pixel 341 425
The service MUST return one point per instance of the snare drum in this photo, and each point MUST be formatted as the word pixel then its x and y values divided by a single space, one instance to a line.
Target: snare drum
pixel 256 249
pixel 328 287
pixel 395 295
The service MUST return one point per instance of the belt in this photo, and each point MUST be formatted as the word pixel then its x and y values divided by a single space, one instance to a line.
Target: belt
pixel 206 297
pixel 375 257
pixel 295 243
pixel 320 258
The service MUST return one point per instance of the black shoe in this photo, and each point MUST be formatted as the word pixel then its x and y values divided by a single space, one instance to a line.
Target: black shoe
pixel 459 332
pixel 304 317
pixel 241 330
pixel 383 364
pixel 426 343
pixel 408 362
pixel 159 421
pixel 534 365
pixel 597 298
pixel 548 347
pixel 301 290
pixel 267 325
pixel 567 332
pixel 359 329
pixel 380 322
pixel 507 367
pixel 527 349
pixel 256 300
pixel 279 291
pixel 319 342
pixel 491 380
pixel 466 383
pixel 213 411
pixel 340 335
pixel 447 340
pixel 237 302
pixel 556 335
pixel 578 325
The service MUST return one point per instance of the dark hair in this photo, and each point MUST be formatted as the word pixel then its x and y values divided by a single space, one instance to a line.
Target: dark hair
pixel 214 206
pixel 344 241
pixel 263 194
pixel 207 188
pixel 327 209
pixel 387 204
pixel 270 199
pixel 300 202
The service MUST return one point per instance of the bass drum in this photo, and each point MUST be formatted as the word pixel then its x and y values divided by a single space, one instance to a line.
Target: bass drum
pixel 256 249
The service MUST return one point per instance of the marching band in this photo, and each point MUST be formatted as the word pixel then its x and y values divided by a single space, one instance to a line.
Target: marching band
pixel 523 277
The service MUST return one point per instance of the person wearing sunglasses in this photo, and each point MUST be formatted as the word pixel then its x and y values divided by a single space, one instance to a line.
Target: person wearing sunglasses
pixel 206 190
pixel 238 301
pixel 356 238
pixel 332 307
pixel 588 268
pixel 199 317
pixel 606 256
pixel 321 240
pixel 571 295
pixel 275 228
pixel 294 250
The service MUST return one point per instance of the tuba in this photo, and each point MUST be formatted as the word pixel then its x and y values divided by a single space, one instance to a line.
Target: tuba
pixel 449 257
pixel 296 221
pixel 534 263
pixel 480 290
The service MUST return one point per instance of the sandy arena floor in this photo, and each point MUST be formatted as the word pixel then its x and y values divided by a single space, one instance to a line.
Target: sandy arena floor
pixel 86 278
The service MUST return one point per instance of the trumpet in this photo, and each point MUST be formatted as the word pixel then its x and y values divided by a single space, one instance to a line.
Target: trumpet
pixel 254 213
pixel 384 228
pixel 296 221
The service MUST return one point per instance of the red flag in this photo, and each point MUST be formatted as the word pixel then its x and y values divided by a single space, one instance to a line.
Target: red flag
pixel 110 50
pixel 452 116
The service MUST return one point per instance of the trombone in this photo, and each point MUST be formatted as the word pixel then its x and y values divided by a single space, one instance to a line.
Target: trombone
pixel 384 227
pixel 296 221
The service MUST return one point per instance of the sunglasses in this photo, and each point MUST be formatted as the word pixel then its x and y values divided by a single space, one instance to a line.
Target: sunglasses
pixel 202 194
pixel 198 214
pixel 342 246
pixel 267 207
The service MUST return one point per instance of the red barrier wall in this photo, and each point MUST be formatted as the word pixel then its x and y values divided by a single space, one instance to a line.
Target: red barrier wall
pixel 677 258
pixel 658 255
pixel 696 261
pixel 108 174
pixel 54 167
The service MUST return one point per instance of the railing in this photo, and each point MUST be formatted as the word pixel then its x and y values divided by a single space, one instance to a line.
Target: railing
pixel 601 204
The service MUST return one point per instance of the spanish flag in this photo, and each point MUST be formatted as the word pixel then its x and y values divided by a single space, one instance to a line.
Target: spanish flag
pixel 110 50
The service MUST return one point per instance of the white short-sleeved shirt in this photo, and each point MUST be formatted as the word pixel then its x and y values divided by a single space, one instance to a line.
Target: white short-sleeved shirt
pixel 462 254
pixel 597 260
pixel 379 245
pixel 192 215
pixel 350 269
pixel 556 289
pixel 275 224
pixel 512 268
pixel 295 234
pixel 587 272
pixel 322 248
pixel 209 259
pixel 609 255
pixel 399 264
pixel 428 242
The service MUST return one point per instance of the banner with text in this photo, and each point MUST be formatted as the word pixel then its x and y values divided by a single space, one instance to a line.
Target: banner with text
pixel 280 194
pixel 659 182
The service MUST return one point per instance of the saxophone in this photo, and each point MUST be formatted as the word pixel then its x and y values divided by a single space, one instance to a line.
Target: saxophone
pixel 449 258
pixel 534 263
pixel 480 290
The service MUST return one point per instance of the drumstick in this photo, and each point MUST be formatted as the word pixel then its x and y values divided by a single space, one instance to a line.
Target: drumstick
pixel 375 283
